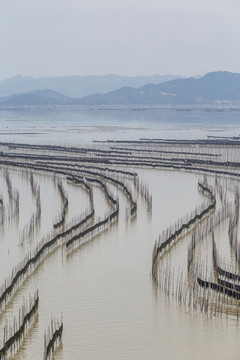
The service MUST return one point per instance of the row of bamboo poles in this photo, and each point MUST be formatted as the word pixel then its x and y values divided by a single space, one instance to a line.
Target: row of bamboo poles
pixel 51 337
pixel 64 199
pixel 180 229
pixel 84 167
pixel 138 155
pixel 213 290
pixel 14 333
pixel 79 228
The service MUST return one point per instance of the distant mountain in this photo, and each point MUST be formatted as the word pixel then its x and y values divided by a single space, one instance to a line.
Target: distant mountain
pixel 77 86
pixel 214 87
pixel 38 97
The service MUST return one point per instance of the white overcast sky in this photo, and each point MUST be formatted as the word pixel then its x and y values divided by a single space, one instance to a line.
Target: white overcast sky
pixel 126 37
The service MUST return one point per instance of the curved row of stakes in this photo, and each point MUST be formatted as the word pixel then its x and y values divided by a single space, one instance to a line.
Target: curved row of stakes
pixel 104 165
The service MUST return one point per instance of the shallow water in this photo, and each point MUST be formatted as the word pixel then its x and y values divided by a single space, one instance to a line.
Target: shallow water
pixel 77 125
pixel 103 289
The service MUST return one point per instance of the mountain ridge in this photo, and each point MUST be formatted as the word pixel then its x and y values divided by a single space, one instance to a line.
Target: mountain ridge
pixel 77 86
pixel 213 88
pixel 37 97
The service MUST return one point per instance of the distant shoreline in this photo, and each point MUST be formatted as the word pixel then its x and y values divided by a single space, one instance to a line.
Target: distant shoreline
pixel 205 108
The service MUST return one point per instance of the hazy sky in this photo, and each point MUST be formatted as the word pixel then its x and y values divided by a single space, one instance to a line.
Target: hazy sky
pixel 127 37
